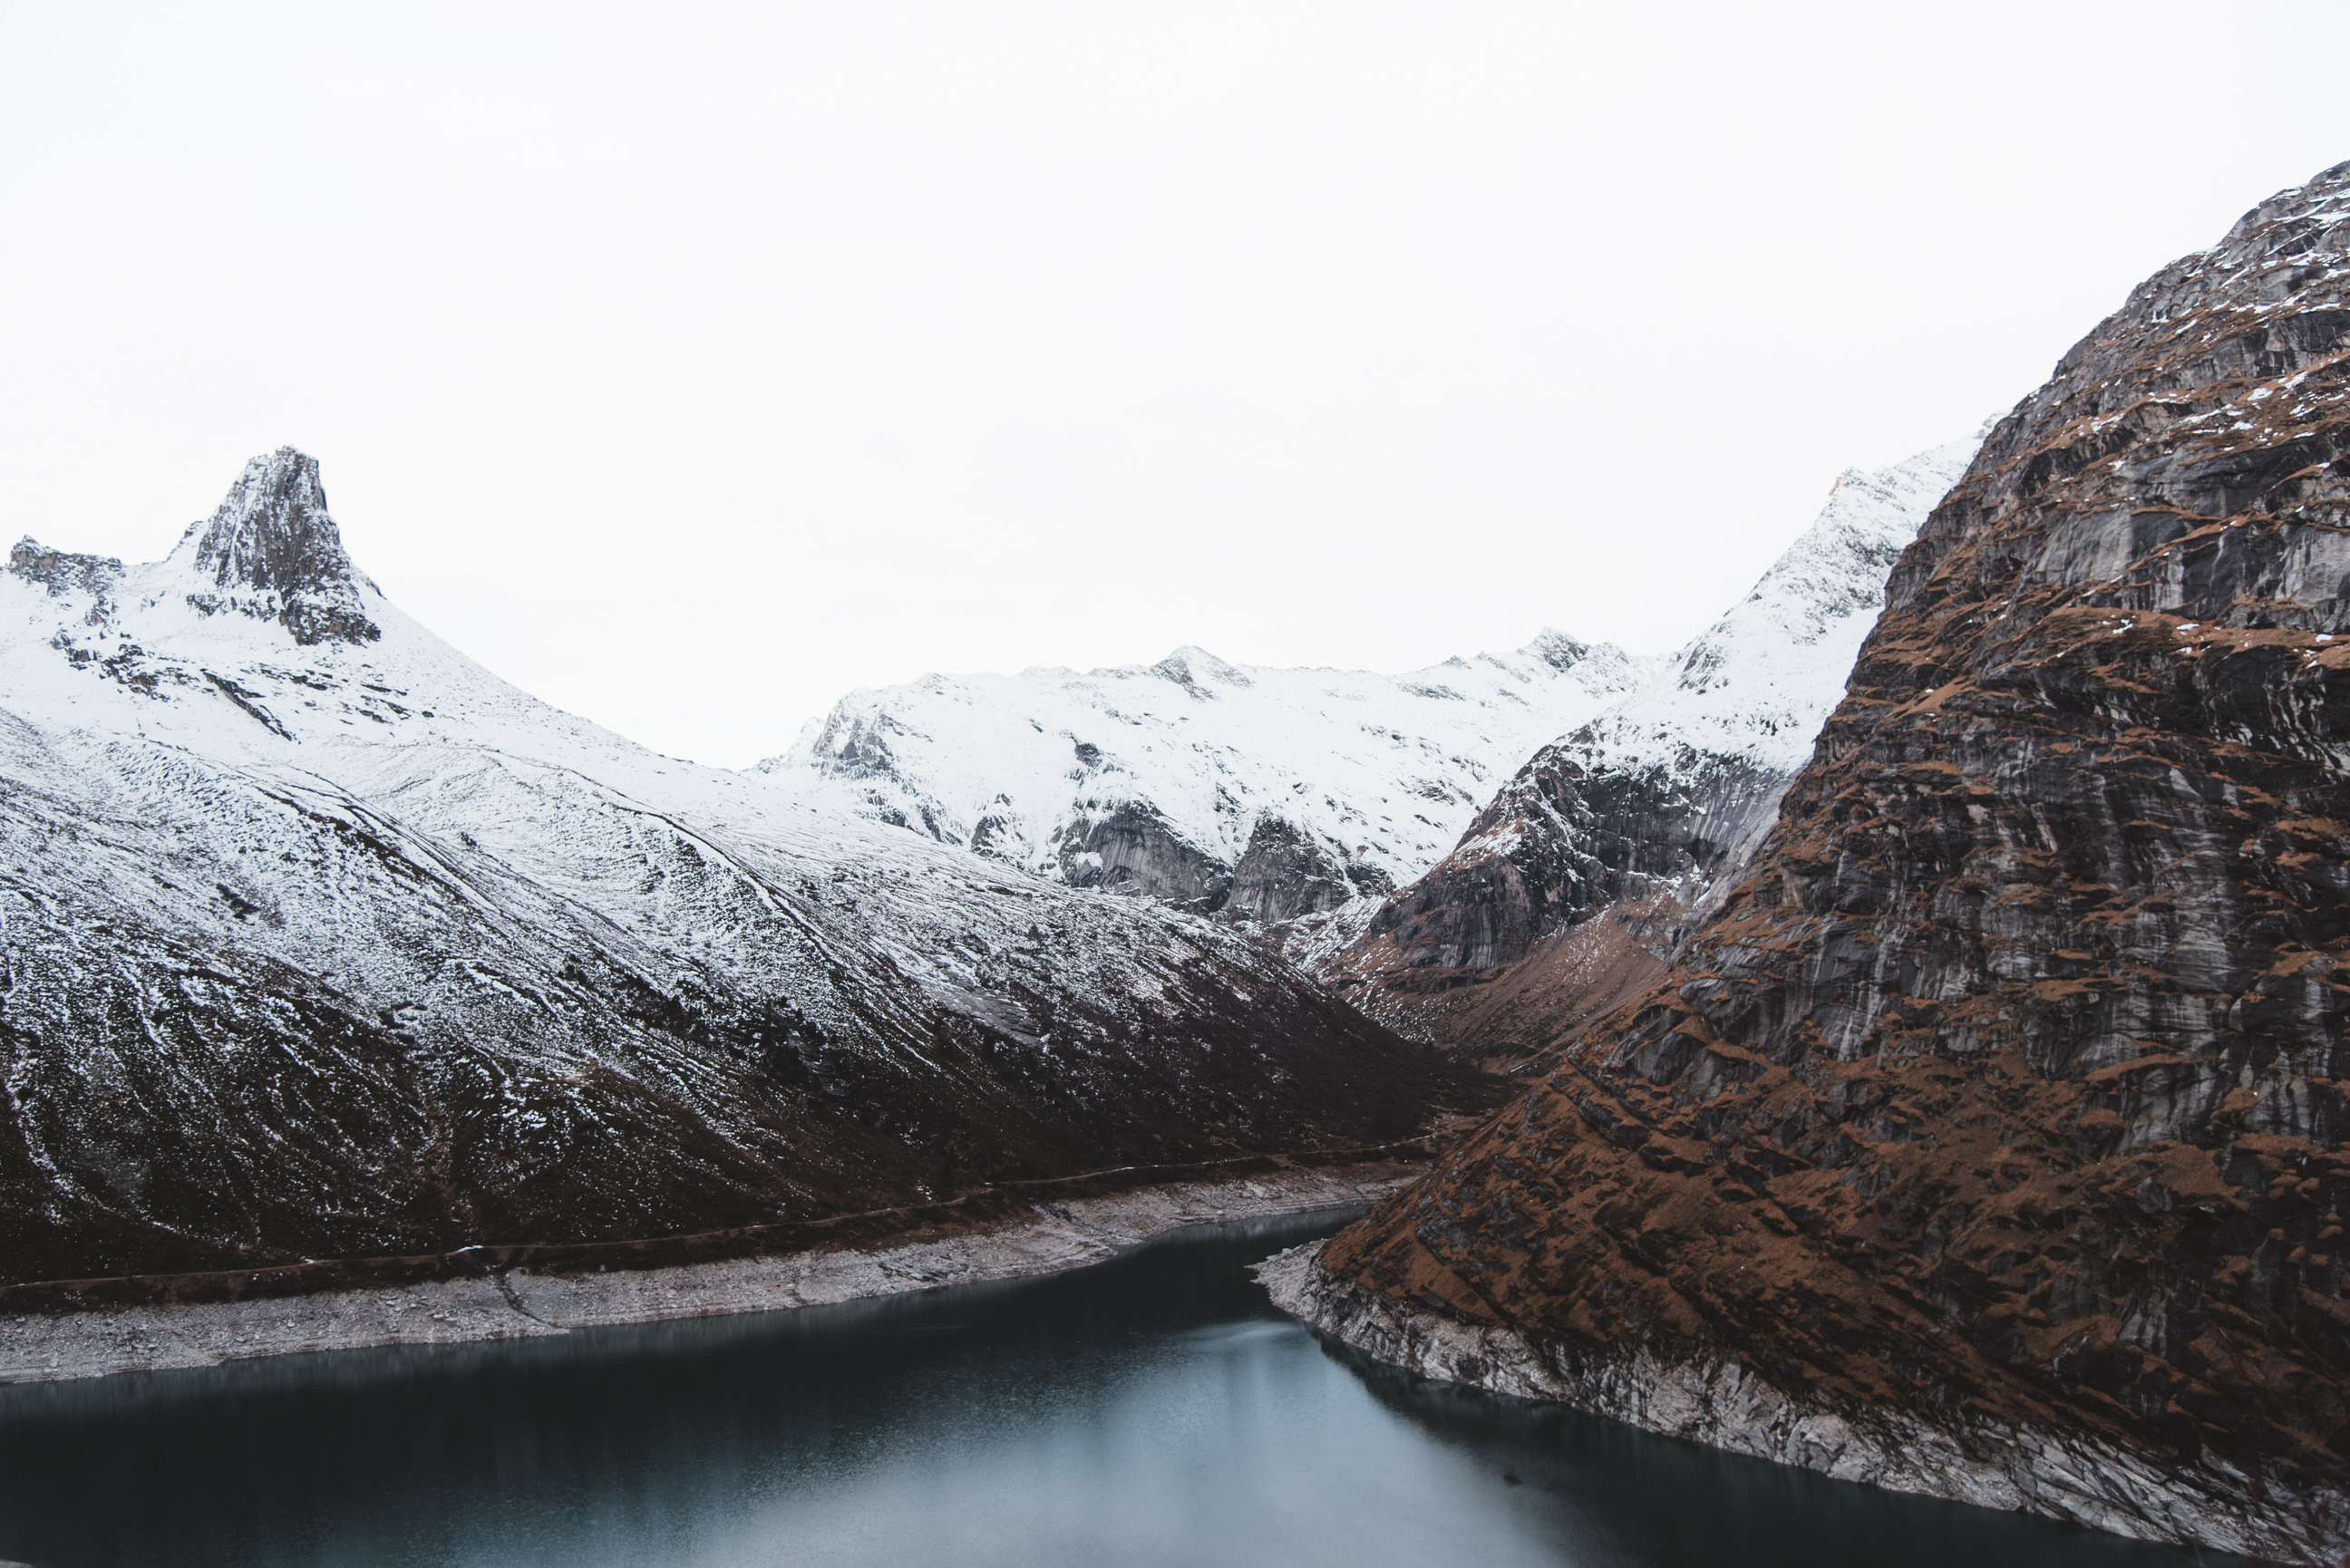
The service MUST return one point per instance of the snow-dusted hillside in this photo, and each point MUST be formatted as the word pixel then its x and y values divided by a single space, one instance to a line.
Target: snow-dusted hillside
pixel 1749 694
pixel 320 939
pixel 1203 782
pixel 1670 788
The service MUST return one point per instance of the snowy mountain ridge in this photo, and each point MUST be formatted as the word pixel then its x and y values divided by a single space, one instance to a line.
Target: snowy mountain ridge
pixel 1666 793
pixel 321 939
pixel 1750 693
pixel 1202 782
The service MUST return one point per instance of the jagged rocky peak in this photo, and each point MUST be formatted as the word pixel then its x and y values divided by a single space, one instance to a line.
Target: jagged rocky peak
pixel 1561 652
pixel 273 552
pixel 1192 667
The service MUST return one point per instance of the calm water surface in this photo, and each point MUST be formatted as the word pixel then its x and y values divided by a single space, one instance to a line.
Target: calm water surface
pixel 1155 1410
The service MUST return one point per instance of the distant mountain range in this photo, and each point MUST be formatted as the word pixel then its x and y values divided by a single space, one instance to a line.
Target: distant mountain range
pixel 1216 786
pixel 1404 836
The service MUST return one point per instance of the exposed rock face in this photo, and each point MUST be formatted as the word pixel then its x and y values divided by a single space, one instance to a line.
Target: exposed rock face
pixel 62 573
pixel 1285 874
pixel 1131 848
pixel 1670 789
pixel 1716 1400
pixel 273 552
pixel 2003 1092
pixel 1562 841
pixel 322 945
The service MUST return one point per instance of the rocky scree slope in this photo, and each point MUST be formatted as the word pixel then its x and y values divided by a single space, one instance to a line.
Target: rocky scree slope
pixel 1261 793
pixel 1988 1140
pixel 320 940
pixel 1654 803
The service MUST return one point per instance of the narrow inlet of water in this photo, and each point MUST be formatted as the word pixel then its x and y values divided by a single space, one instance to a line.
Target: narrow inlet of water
pixel 1153 1411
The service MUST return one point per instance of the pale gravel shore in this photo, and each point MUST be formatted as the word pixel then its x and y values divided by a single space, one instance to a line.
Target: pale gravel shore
pixel 1053 1237
pixel 2073 1476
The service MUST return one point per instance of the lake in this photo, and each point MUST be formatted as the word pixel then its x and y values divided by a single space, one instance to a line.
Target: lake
pixel 1153 1411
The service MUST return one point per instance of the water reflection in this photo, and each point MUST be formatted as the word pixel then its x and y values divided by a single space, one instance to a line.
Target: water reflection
pixel 1153 1411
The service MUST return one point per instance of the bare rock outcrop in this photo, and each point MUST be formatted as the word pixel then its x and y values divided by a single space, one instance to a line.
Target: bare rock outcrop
pixel 1132 847
pixel 1286 872
pixel 62 572
pixel 273 552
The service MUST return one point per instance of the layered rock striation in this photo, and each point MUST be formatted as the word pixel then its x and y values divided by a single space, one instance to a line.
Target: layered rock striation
pixel 1987 1140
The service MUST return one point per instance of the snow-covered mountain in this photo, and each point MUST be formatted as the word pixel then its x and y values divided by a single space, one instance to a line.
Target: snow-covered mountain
pixel 1268 792
pixel 1669 789
pixel 321 940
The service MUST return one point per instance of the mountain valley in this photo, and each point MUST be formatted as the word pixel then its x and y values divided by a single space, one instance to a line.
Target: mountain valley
pixel 1898 1035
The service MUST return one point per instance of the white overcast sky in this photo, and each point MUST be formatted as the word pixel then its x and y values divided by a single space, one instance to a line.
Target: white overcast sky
pixel 691 365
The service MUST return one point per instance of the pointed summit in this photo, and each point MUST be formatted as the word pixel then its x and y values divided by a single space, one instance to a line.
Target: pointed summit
pixel 1189 666
pixel 1557 649
pixel 273 552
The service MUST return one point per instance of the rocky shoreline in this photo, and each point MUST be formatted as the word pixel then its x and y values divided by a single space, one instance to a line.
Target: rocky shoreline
pixel 1045 1235
pixel 1718 1402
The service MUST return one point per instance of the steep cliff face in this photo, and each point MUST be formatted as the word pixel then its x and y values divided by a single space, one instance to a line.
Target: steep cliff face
pixel 1159 779
pixel 1987 1140
pixel 1658 798
pixel 1132 847
pixel 1286 873
pixel 320 940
